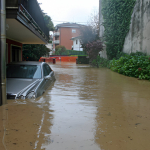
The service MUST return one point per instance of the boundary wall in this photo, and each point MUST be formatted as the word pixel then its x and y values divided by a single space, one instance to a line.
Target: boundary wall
pixel 59 59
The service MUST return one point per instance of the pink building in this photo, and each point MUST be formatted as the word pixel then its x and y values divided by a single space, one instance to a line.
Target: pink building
pixel 64 33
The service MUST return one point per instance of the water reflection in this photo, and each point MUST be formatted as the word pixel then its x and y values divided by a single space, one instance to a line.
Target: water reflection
pixel 73 123
pixel 86 108
pixel 25 123
pixel 122 119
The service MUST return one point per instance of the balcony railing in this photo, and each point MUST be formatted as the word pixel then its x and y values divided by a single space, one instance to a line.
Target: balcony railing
pixel 32 11
pixel 56 42
pixel 57 34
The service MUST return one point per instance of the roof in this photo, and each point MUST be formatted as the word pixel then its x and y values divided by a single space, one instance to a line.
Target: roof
pixel 26 63
pixel 68 24
pixel 74 38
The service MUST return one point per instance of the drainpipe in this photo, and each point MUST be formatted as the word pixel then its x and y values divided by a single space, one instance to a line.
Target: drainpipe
pixel 0 66
pixel 3 53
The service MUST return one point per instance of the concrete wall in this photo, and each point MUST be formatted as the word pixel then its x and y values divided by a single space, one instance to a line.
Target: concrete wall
pixel 103 53
pixel 101 30
pixel 138 38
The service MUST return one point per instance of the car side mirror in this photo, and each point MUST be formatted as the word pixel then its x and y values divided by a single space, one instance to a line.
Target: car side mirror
pixel 47 77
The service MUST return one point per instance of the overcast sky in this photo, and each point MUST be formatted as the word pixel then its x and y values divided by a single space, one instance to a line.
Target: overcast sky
pixel 60 11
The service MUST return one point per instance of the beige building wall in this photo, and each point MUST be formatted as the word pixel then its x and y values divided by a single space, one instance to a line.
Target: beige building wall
pixel 101 31
pixel 138 38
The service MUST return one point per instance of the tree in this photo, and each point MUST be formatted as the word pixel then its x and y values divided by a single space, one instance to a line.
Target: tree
pixel 93 48
pixel 90 36
pixel 94 21
pixel 59 49
pixel 48 22
pixel 90 32
pixel 33 52
pixel 87 35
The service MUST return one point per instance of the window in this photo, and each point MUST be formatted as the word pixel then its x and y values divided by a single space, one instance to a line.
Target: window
pixel 76 41
pixel 73 30
pixel 23 71
pixel 46 70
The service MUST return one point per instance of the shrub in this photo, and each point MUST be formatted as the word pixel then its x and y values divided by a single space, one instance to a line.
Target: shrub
pixel 100 62
pixel 73 52
pixel 93 48
pixel 58 52
pixel 83 60
pixel 59 49
pixel 134 65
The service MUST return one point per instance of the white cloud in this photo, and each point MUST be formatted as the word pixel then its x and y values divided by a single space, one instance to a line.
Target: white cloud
pixel 67 10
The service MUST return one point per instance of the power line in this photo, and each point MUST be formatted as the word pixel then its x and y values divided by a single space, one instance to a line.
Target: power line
pixel 68 21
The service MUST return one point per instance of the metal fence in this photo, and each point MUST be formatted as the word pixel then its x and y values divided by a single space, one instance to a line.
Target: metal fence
pixel 33 9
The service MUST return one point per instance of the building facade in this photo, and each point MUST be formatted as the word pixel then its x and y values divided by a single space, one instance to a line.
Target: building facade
pixel 64 33
pixel 22 22
pixel 138 37
pixel 77 44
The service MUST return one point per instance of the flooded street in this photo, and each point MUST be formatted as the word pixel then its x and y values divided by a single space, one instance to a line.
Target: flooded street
pixel 86 108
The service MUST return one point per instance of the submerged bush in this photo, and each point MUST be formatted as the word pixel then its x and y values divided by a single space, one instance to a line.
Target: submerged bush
pixel 83 60
pixel 133 65
pixel 100 62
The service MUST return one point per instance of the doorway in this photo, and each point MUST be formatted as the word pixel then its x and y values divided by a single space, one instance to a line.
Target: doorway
pixel 16 51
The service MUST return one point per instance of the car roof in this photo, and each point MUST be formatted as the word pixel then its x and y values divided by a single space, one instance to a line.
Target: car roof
pixel 26 63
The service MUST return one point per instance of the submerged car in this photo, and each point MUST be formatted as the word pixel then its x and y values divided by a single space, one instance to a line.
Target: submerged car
pixel 28 79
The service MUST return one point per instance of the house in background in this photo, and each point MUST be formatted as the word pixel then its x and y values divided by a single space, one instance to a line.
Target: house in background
pixel 63 33
pixel 77 44
pixel 22 22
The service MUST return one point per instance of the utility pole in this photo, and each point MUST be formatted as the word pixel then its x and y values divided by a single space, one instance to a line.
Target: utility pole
pixel 3 99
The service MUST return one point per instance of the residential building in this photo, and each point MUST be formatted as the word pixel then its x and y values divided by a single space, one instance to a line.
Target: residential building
pixel 22 22
pixel 77 43
pixel 63 34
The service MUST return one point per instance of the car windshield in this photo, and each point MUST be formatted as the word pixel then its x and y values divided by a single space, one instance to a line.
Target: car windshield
pixel 23 71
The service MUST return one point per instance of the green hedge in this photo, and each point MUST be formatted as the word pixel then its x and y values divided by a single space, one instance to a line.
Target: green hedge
pixel 83 60
pixel 100 62
pixel 73 52
pixel 134 65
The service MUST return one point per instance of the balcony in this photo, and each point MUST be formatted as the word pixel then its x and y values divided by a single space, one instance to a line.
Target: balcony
pixel 56 42
pixel 57 34
pixel 29 14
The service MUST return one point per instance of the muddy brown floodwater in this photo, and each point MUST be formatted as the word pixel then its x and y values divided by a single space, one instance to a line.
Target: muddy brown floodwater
pixel 85 109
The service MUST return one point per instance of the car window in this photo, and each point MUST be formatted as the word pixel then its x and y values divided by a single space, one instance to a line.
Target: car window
pixel 46 69
pixel 23 71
